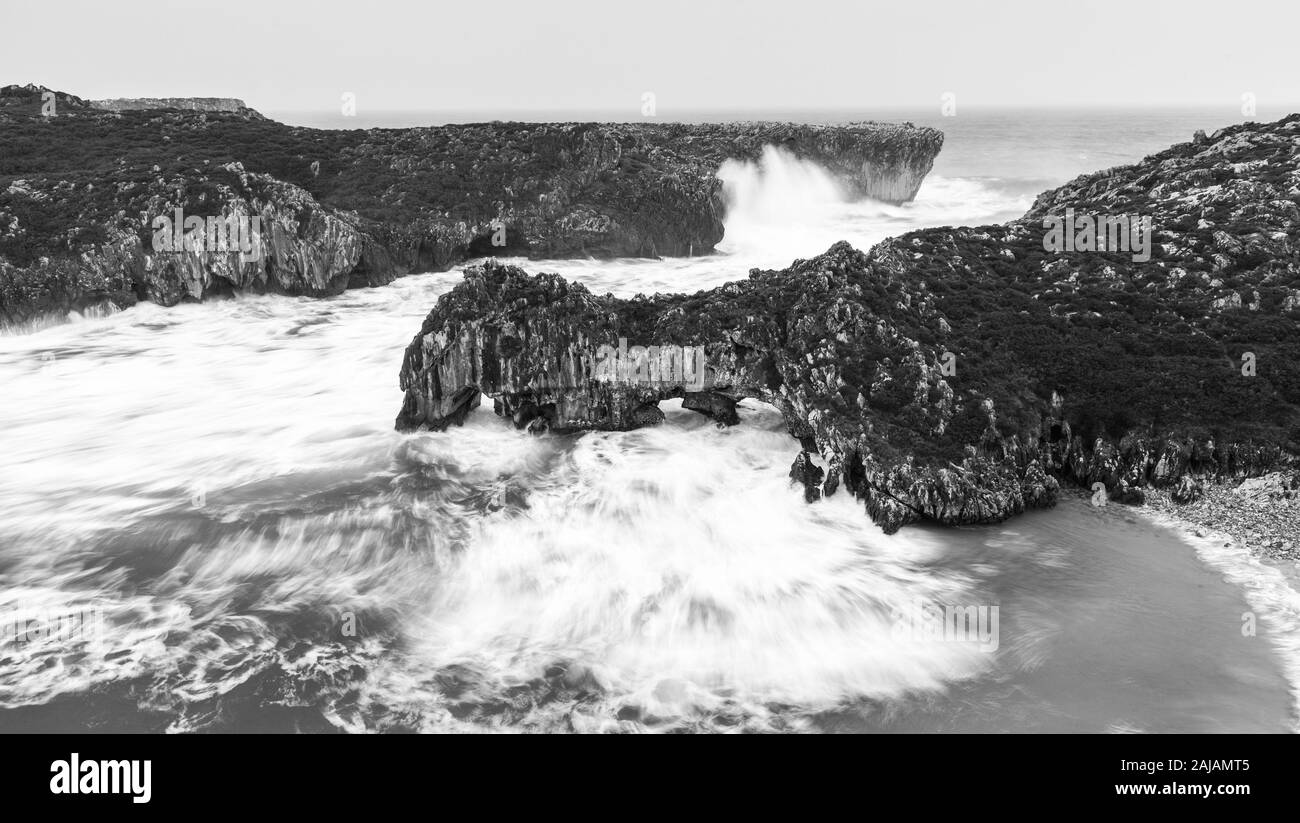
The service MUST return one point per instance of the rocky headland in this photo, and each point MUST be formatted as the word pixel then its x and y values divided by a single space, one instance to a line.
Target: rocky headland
pixel 81 181
pixel 953 375
pixel 230 104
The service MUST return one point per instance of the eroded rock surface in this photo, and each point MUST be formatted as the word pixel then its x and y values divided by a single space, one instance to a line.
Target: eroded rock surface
pixel 956 374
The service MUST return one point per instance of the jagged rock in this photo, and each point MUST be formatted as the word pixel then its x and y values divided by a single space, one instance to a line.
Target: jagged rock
pixel 809 475
pixel 535 345
pixel 1038 488
pixel 304 250
pixel 1129 495
pixel 1267 489
pixel 1080 366
pixel 1188 490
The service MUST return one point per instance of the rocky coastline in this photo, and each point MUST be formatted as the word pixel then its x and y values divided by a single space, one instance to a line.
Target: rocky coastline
pixel 81 181
pixel 950 375
pixel 230 104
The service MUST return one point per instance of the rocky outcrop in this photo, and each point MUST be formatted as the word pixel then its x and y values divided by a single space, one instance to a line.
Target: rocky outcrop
pixel 230 104
pixel 954 375
pixel 302 249
pixel 880 161
pixel 33 100
pixel 77 181
pixel 535 345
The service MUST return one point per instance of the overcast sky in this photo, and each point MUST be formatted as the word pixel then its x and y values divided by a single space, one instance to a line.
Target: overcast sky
pixel 693 54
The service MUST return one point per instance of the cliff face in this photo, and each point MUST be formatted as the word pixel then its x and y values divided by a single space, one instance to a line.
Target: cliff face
pixel 889 165
pixel 951 375
pixel 881 161
pixel 304 249
pixel 78 191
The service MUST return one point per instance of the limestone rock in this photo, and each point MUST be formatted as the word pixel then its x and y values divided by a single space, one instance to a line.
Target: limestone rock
pixel 1082 367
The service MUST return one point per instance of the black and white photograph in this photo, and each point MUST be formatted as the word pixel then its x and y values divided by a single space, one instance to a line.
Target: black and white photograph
pixel 677 367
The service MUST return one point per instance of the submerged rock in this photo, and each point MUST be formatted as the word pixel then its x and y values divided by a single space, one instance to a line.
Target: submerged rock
pixel 953 374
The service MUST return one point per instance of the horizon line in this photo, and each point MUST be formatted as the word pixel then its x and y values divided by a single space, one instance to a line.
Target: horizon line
pixel 779 107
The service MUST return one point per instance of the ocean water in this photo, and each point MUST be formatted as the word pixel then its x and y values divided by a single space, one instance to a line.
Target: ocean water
pixel 220 486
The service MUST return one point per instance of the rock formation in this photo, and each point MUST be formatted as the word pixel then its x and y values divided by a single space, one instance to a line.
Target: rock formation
pixel 951 374
pixel 80 185
pixel 229 104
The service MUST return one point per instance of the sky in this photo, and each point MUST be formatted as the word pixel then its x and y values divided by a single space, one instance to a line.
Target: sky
pixel 506 55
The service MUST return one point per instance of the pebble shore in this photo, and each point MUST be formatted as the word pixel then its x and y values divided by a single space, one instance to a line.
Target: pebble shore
pixel 1262 514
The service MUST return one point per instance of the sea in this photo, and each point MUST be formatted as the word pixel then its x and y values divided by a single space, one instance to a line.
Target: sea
pixel 208 522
